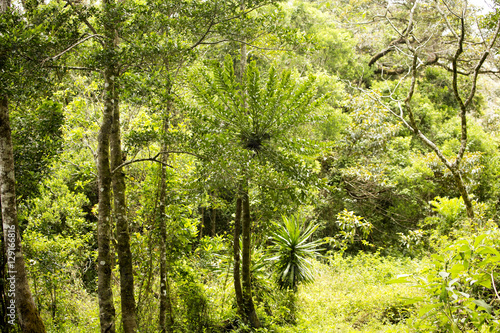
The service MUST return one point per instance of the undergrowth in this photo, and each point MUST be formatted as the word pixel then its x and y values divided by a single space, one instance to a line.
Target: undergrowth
pixel 350 294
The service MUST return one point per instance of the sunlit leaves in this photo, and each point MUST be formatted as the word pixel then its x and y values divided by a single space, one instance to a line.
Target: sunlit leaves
pixel 293 252
pixel 460 284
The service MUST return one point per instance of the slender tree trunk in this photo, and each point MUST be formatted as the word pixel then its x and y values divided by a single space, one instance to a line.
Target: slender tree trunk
pixel 104 290
pixel 109 139
pixel 236 255
pixel 213 220
pixel 18 290
pixel 166 322
pixel 4 300
pixel 249 314
pixel 464 193
pixel 202 225
pixel 129 318
pixel 106 306
pixel 246 279
pixel 21 301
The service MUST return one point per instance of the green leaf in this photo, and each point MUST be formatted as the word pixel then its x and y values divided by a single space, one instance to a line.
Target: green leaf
pixel 479 240
pixel 456 270
pixel 483 304
pixel 455 328
pixel 413 300
pixel 489 250
pixel 426 309
pixel 437 257
pixel 400 279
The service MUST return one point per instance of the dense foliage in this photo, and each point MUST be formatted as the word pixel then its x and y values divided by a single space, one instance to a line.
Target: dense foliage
pixel 333 163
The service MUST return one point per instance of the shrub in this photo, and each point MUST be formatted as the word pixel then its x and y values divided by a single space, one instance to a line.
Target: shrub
pixel 292 252
pixel 461 284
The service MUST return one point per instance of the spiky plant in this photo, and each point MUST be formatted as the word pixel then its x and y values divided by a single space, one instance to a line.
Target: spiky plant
pixel 293 251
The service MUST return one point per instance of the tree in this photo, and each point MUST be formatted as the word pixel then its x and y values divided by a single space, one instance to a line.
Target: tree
pixel 179 27
pixel 21 300
pixel 251 121
pixel 465 63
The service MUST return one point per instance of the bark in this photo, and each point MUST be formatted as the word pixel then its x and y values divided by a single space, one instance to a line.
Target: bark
pixel 3 283
pixel 463 192
pixel 17 285
pixel 106 306
pixel 4 5
pixel 387 50
pixel 202 225
pixel 213 221
pixel 246 279
pixel 413 126
pixel 236 255
pixel 166 310
pixel 248 308
pixel 129 319
pixel 27 314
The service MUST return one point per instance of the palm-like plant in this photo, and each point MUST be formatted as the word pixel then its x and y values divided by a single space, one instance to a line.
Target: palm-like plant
pixel 292 252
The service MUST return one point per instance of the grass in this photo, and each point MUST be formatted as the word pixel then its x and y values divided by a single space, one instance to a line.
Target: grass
pixel 351 295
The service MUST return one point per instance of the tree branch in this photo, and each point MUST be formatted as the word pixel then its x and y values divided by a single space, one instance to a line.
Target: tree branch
pixel 151 159
pixel 83 18
pixel 212 22
pixel 382 53
pixel 242 42
pixel 71 47
pixel 155 159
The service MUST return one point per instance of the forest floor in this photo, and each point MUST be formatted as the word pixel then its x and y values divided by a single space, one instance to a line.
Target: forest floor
pixel 352 295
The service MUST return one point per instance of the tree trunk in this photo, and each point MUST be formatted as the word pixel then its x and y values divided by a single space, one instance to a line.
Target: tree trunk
pixel 4 300
pixel 213 220
pixel 129 319
pixel 236 255
pixel 166 322
pixel 246 279
pixel 105 294
pixel 21 300
pixel 249 314
pixel 202 225
pixel 464 193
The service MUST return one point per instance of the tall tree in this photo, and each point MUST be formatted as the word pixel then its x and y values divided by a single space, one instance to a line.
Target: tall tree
pixel 449 25
pixel 128 43
pixel 256 117
pixel 21 300
pixel 129 317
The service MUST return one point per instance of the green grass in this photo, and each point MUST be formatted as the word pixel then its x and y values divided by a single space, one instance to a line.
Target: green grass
pixel 348 295
pixel 351 295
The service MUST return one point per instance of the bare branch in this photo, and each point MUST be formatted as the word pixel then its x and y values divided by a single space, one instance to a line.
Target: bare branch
pixel 150 159
pixel 73 67
pixel 71 47
pixel 454 63
pixel 480 64
pixel 446 20
pixel 382 53
pixel 154 159
pixel 214 23
pixel 450 10
pixel 203 36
